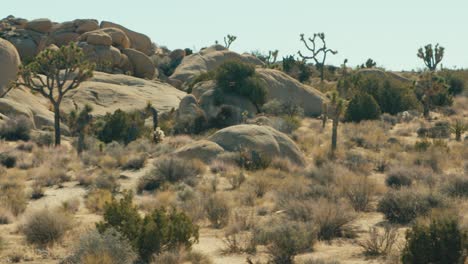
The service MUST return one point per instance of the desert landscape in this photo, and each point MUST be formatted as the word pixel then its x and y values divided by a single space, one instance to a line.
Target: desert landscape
pixel 115 149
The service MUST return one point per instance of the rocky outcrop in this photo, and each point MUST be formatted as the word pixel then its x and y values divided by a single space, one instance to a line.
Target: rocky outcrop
pixel 286 89
pixel 103 56
pixel 41 25
pixel 262 139
pixel 104 92
pixel 138 41
pixel 96 37
pixel 9 63
pixel 109 92
pixel 204 61
pixel 142 65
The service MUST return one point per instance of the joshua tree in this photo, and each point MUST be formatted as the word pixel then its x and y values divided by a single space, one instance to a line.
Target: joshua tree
pixel 317 52
pixel 432 91
pixel 7 90
pixel 53 73
pixel 78 122
pixel 431 56
pixel 154 113
pixel 458 128
pixel 335 110
pixel 272 57
pixel 324 114
pixel 370 63
pixel 228 40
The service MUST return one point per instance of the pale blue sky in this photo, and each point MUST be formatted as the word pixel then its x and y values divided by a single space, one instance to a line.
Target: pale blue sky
pixel 389 31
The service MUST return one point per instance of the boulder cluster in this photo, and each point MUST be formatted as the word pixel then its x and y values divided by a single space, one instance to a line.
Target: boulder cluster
pixel 114 48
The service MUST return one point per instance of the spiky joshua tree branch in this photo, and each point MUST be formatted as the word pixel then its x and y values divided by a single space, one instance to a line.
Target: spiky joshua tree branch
pixel 319 54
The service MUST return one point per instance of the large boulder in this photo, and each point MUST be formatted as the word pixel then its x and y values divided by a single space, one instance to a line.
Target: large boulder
pixel 42 25
pixel 9 63
pixel 286 89
pixel 204 61
pixel 96 37
pixel 63 38
pixel 85 25
pixel 109 92
pixel 264 140
pixel 103 56
pixel 203 150
pixel 26 44
pixel 142 65
pixel 138 41
pixel 119 38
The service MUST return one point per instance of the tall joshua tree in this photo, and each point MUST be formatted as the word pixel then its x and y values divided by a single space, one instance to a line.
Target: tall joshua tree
pixel 431 56
pixel 335 110
pixel 319 54
pixel 53 73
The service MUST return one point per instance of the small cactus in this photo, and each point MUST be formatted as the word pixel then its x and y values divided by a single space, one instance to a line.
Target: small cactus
pixel 458 128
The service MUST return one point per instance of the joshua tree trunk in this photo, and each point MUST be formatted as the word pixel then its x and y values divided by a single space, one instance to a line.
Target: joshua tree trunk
pixel 80 146
pixel 334 136
pixel 324 115
pixel 57 124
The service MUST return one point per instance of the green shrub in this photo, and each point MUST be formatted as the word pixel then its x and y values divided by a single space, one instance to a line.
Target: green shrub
pixel 403 206
pixel 456 85
pixel 158 231
pixel 284 240
pixel 441 241
pixel 398 178
pixel 392 96
pixel 362 107
pixel 296 69
pixel 169 169
pixel 110 243
pixel 457 185
pixel 15 128
pixel 240 78
pixel 120 126
pixel 46 227
pixel 134 162
pixel 7 160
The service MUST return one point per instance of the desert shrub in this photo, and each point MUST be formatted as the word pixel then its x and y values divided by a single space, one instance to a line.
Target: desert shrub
pixel 202 77
pixel 106 180
pixel 456 85
pixel 380 242
pixel 169 170
pixel 253 160
pixel 158 231
pixel 403 206
pixel 194 123
pixel 422 145
pixel 44 138
pixel 134 162
pixel 25 146
pixel 333 219
pixel 284 240
pixel 277 108
pixel 6 217
pixel 392 96
pixel 359 191
pixel 37 191
pixel 456 185
pixel 49 175
pixel 296 69
pixel 13 196
pixel 240 78
pixel 441 241
pixel 120 126
pixel 440 129
pixel 7 160
pixel 97 199
pixel 398 178
pixel 236 179
pixel 110 243
pixel 15 128
pixel 362 107
pixel 71 206
pixel 217 210
pixel 46 227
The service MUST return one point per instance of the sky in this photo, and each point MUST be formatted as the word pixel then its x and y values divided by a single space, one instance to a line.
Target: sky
pixel 390 32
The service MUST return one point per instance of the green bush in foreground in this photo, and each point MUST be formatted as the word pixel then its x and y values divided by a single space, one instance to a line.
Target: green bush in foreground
pixel 158 231
pixel 440 242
